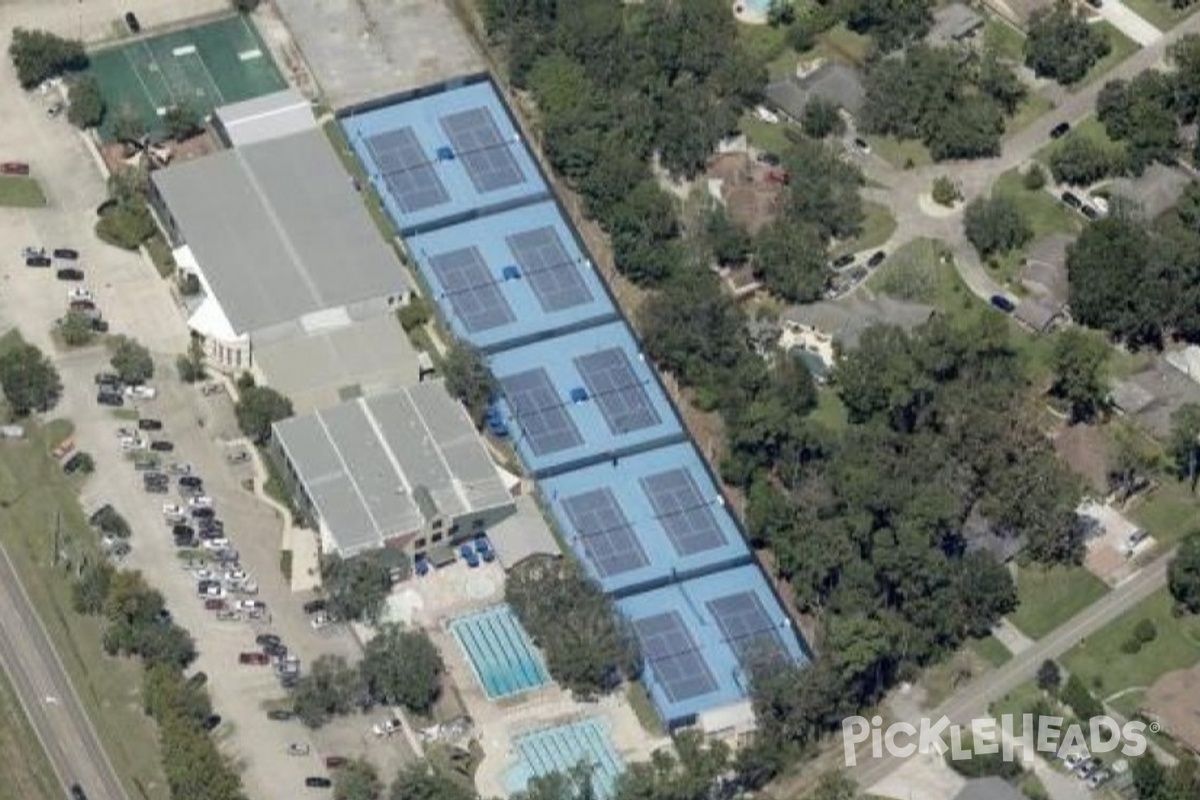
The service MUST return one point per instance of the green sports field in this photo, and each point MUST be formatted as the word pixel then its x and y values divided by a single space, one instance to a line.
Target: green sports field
pixel 203 67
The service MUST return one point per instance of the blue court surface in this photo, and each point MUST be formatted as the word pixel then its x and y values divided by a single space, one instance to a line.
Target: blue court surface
pixel 582 398
pixel 563 747
pixel 652 518
pixel 699 637
pixel 443 156
pixel 511 277
pixel 501 653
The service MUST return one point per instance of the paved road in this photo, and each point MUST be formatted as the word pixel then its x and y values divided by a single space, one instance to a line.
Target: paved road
pixel 973 700
pixel 47 695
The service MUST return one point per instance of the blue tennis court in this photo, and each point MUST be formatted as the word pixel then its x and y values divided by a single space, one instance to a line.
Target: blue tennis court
pixel 700 638
pixel 440 158
pixel 560 749
pixel 501 653
pixel 531 263
pixel 581 398
pixel 649 519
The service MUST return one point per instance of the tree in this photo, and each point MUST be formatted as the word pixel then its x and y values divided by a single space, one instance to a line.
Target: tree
pixel 131 360
pixel 945 192
pixel 90 590
pixel 1183 574
pixel 167 694
pixel 1000 82
pixel 995 225
pixel 790 260
pixel 244 6
pixel 403 667
pixel 76 329
pixel 469 379
pixel 1081 161
pixel 87 102
pixel 1049 676
pixel 970 128
pixel 421 781
pixel 691 775
pixel 357 780
pixel 126 226
pixel 822 118
pixel 1183 446
pixel 258 408
pixel 190 365
pixel 1062 45
pixel 356 587
pixel 1141 115
pixel 1185 84
pixel 781 13
pixel 127 125
pixel 1078 360
pixel 38 55
pixel 29 379
pixel 416 313
pixel 330 688
pixel 729 241
pixel 110 522
pixel 182 121
pixel 891 23
pixel 822 190
pixel 1033 178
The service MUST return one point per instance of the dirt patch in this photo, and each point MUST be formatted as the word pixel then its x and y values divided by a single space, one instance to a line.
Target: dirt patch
pixel 751 191
pixel 1085 449
pixel 202 144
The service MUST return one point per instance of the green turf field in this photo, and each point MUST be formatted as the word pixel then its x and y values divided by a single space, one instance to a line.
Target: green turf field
pixel 203 67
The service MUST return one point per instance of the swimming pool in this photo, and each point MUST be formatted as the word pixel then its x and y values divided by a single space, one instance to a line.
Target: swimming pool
pixel 562 747
pixel 757 6
pixel 504 659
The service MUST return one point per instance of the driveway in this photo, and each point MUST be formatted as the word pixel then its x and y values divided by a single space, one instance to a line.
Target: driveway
pixel 1124 19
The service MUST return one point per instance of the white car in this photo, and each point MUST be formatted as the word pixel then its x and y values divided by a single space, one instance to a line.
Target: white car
pixel 387 727
pixel 212 590
pixel 133 443
pixel 766 115
pixel 215 544
pixel 203 574
pixel 297 749
pixel 236 575
pixel 79 293
pixel 179 469
pixel 200 501
pixel 249 605
pixel 141 392
pixel 249 587
pixel 172 510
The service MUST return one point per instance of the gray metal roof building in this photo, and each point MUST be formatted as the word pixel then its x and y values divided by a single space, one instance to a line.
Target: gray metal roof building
pixel 378 468
pixel 279 232
pixel 262 118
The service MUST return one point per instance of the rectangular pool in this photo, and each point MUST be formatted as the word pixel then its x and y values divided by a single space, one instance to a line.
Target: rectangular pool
pixel 500 651
pixel 563 747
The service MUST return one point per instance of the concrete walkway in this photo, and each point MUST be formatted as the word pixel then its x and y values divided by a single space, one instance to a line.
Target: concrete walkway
pixel 1129 23
pixel 1011 637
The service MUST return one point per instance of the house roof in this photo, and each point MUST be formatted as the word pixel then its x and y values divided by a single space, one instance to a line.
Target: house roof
pixel 1045 269
pixel 1174 701
pixel 1037 312
pixel 267 117
pixel 381 466
pixel 953 23
pixel 1155 190
pixel 837 83
pixel 846 319
pixel 992 788
pixel 278 231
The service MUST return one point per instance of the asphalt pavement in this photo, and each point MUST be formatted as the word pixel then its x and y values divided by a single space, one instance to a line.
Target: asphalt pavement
pixel 47 695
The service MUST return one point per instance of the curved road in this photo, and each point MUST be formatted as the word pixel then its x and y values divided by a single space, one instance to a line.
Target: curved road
pixel 47 695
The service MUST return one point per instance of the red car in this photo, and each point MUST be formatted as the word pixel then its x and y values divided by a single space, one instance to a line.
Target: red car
pixel 257 659
pixel 335 762
pixel 14 168
pixel 214 604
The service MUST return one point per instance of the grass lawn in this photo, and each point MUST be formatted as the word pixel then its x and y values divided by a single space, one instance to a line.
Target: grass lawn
pixel 1160 14
pixel 1031 108
pixel 1007 41
pixel 900 153
pixel 915 272
pixel 878 227
pixel 35 493
pixel 18 191
pixel 830 410
pixel 1042 210
pixel 1122 48
pixel 1090 128
pixel 643 709
pixel 1021 700
pixel 764 135
pixel 1051 596
pixel 991 650
pixel 1106 669
pixel 1169 514
pixel 160 254
pixel 843 44
pixel 769 45
pixel 25 772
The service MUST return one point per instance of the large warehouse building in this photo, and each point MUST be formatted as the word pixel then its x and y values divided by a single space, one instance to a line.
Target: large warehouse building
pixel 405 469
pixel 277 236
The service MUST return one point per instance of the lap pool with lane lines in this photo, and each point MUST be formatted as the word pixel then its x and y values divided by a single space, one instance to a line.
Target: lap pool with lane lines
pixel 500 651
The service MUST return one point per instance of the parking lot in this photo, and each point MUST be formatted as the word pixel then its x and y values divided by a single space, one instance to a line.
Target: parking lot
pixel 138 303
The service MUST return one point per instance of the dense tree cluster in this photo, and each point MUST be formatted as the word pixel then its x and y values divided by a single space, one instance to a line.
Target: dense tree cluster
pixel 588 648
pixel 617 84
pixel 30 381
pixel 258 408
pixel 1183 575
pixel 891 23
pixel 356 588
pixel 1079 360
pixel 1160 257
pixel 928 94
pixel 131 360
pixel 87 102
pixel 1153 781
pixel 38 55
pixel 1062 44
pixel 996 225
pixel 1082 161
pixel 469 379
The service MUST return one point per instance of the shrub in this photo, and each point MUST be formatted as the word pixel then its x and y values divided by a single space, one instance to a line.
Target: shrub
pixel 189 284
pixel 1034 178
pixel 945 193
pixel 415 314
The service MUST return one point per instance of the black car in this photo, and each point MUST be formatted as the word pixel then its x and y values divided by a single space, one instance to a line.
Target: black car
pixel 313 606
pixel 73 464
pixel 279 715
pixel 69 274
pixel 1060 130
pixel 156 488
pixel 77 792
pixel 211 721
pixel 132 21
pixel 110 399
pixel 191 481
pixel 1071 200
pixel 1095 3
pixel 211 525
pixel 162 446
pixel 1003 303
pixel 99 325
pixel 198 680
pixel 149 425
pixel 179 529
pixel 203 512
pixel 37 261
pixel 843 261
pixel 264 639
pixel 107 379
pixel 315 782
pixel 66 253
pixel 876 259
pixel 1089 212
pixel 770 159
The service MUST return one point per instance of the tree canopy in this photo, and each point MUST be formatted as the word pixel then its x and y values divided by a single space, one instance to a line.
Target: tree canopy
pixel 1062 45
pixel 182 121
pixel 995 225
pixel 356 587
pixel 29 379
pixel 87 102
pixel 1183 573
pixel 1078 360
pixel 469 379
pixel 38 55
pixel 258 408
pixel 403 668
pixel 131 360
pixel 330 687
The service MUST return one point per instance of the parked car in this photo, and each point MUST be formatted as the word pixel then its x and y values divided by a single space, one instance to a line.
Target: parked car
pixel 1071 199
pixel 876 259
pixel 314 782
pixel 313 606
pixel 468 555
pixel 66 254
pixel 336 762
pixel 37 261
pixel 14 168
pixel 1085 769
pixel 297 749
pixel 254 658
pixel 191 481
pixel 768 158
pixel 141 392
pixel 1099 778
pixel 861 146
pixel 162 446
pixel 387 727
pixel 110 399
pixel 107 379
pixel 215 544
pixel 1003 303
pixel 214 604
pixel 69 274
pixel 1060 130
pixel 198 680
pixel 211 722
pixel 843 261
pixel 237 457
pixel 149 424
pixel 248 605
pixel 131 21
pixel 77 792
pixel 265 639
pixel 1089 212
pixel 279 714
